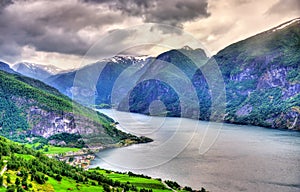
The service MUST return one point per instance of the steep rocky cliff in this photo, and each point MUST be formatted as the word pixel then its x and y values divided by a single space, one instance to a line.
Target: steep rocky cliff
pixel 262 76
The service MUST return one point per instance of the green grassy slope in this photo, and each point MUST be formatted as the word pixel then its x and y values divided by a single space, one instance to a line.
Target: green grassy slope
pixel 30 170
pixel 29 107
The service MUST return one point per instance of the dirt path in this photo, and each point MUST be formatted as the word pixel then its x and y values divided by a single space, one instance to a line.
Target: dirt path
pixel 3 170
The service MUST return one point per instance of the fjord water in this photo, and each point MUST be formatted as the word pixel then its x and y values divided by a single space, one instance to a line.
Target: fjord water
pixel 241 158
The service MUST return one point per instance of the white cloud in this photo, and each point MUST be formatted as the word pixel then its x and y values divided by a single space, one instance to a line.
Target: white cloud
pixel 234 20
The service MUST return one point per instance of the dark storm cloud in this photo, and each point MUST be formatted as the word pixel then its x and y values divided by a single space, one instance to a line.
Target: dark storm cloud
pixel 283 6
pixel 4 3
pixel 48 26
pixel 54 26
pixel 173 12
pixel 111 45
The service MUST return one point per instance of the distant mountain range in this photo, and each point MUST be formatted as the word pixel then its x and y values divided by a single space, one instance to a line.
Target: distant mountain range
pixel 36 71
pixel 261 76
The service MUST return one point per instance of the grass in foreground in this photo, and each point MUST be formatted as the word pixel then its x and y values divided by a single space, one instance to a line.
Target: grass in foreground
pixel 33 171
pixel 140 181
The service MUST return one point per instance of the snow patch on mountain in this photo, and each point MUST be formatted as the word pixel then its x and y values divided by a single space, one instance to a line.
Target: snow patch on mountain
pixel 35 67
pixel 284 25
pixel 121 58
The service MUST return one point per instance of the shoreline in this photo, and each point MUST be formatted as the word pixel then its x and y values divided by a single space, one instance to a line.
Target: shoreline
pixel 224 121
pixel 84 156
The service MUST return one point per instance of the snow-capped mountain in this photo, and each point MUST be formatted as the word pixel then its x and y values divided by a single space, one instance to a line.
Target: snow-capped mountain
pixel 106 72
pixel 37 71
pixel 5 67
pixel 122 58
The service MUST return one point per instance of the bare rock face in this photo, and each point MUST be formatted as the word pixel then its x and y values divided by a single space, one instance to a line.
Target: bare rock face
pixel 270 97
pixel 246 74
pixel 278 77
pixel 273 78
pixel 46 123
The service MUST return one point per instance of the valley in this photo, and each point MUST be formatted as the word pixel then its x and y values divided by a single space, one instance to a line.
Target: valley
pixel 259 77
pixel 183 117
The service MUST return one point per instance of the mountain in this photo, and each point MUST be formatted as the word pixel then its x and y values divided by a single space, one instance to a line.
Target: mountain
pixel 6 67
pixel 36 71
pixel 254 81
pixel 30 109
pixel 168 78
pixel 261 75
pixel 96 80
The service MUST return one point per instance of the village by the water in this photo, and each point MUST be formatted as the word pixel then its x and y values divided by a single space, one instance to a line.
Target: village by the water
pixel 80 158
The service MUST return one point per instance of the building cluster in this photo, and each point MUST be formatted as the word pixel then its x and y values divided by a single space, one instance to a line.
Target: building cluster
pixel 76 159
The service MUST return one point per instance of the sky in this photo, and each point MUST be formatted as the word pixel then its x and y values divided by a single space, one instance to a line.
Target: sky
pixel 66 33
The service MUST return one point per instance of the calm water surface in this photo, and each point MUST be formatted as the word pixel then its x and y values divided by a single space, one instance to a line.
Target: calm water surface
pixel 218 157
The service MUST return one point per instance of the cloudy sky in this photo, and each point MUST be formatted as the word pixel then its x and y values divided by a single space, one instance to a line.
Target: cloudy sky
pixel 62 32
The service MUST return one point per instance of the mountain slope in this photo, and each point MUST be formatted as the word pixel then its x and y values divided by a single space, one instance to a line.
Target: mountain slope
pixel 168 78
pixel 36 71
pixel 24 169
pixel 29 108
pixel 5 67
pixel 97 80
pixel 261 76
